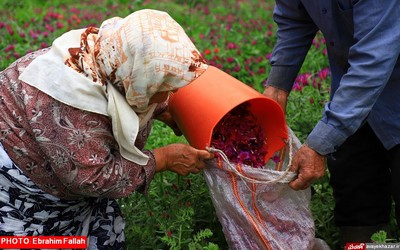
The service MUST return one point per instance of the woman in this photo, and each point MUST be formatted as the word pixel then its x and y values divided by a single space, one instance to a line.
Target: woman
pixel 74 120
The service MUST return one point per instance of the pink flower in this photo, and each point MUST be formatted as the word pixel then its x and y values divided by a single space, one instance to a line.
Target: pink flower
pixel 46 19
pixel 75 10
pixel 231 45
pixel 10 29
pixel 243 156
pixel 59 25
pixel 206 11
pixel 33 34
pixel 261 70
pixel 230 59
pixel 297 87
pixel 315 43
pixel 324 73
pixel 49 28
pixel 304 79
pixel 276 158
pixel 9 48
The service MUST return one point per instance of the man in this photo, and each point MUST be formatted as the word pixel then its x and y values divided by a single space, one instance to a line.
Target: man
pixel 359 132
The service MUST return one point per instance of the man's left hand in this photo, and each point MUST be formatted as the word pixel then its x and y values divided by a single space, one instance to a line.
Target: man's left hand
pixel 309 165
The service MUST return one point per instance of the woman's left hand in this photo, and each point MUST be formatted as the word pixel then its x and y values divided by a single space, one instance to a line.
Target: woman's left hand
pixel 167 118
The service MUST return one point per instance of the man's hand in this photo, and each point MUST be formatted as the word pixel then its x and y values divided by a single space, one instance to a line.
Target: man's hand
pixel 309 165
pixel 280 96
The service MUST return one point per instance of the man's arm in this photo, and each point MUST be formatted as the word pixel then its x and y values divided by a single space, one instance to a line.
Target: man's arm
pixel 371 59
pixel 295 33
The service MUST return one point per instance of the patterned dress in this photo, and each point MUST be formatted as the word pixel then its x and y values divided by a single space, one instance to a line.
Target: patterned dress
pixel 60 168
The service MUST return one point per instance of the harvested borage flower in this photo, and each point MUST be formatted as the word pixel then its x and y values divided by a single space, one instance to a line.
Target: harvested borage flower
pixel 239 136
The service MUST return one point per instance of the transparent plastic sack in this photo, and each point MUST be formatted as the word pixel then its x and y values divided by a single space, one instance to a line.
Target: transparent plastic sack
pixel 257 208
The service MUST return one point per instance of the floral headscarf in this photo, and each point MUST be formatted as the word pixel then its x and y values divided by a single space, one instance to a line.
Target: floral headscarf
pixel 142 54
pixel 114 70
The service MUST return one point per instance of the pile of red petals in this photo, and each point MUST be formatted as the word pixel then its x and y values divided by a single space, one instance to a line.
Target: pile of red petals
pixel 240 137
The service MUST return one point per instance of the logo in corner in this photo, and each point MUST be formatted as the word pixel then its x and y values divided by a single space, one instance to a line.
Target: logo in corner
pixel 356 246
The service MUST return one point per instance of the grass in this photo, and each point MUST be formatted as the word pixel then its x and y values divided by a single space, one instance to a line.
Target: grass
pixel 235 36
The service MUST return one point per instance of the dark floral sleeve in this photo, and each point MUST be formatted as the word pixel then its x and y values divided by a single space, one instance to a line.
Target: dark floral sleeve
pixel 68 152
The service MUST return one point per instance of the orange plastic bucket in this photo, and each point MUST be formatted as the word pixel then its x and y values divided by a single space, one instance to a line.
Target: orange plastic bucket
pixel 198 107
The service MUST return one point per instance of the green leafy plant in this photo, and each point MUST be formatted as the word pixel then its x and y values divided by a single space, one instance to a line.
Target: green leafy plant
pixel 382 237
pixel 322 204
pixel 379 237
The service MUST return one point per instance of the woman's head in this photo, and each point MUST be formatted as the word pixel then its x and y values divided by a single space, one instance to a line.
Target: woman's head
pixel 142 54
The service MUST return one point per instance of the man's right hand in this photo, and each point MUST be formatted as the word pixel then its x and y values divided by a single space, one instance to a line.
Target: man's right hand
pixel 279 95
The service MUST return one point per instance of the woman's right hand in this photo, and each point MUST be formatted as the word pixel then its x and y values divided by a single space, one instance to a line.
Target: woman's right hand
pixel 181 159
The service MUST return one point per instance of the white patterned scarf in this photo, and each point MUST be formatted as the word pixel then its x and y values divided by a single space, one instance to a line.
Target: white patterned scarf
pixel 114 70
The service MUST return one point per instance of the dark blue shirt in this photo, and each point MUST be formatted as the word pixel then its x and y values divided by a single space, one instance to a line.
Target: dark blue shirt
pixel 363 43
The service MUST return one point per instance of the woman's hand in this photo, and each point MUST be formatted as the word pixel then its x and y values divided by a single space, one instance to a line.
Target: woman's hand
pixel 181 159
pixel 166 118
